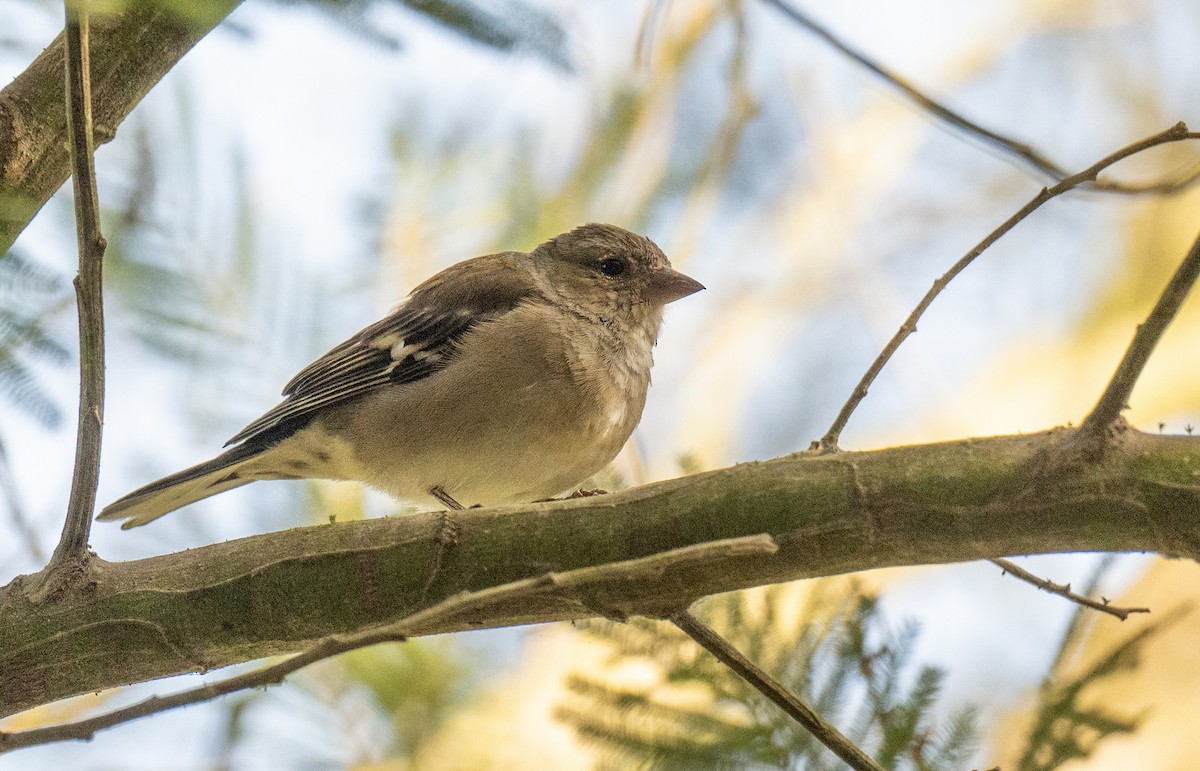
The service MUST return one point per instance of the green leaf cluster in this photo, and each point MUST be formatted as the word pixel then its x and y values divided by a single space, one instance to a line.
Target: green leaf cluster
pixel 1069 725
pixel 26 290
pixel 843 660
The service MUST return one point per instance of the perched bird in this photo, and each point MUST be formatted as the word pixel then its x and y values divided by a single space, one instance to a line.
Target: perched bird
pixel 505 378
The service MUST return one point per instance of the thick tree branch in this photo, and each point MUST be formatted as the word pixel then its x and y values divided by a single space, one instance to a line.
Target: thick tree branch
pixel 130 53
pixel 283 592
pixel 73 544
pixel 829 442
pixel 571 583
pixel 1019 150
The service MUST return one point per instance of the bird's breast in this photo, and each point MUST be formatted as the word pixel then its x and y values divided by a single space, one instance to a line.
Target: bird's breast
pixel 614 370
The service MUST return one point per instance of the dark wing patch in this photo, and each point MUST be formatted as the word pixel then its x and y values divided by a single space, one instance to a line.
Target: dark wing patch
pixel 414 341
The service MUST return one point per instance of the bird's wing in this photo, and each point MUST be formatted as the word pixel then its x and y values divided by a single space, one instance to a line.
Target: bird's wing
pixel 414 341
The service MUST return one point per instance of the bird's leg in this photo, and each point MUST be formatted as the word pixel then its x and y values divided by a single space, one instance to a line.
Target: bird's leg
pixel 437 492
pixel 581 493
pixel 446 538
pixel 576 494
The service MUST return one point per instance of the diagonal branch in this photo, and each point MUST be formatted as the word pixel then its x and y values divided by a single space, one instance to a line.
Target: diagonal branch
pixel 73 543
pixel 1116 395
pixel 822 731
pixel 570 583
pixel 1064 590
pixel 130 53
pixel 829 442
pixel 1019 150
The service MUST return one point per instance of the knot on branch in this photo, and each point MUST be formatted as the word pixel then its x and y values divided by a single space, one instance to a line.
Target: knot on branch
pixel 61 580
pixel 1078 448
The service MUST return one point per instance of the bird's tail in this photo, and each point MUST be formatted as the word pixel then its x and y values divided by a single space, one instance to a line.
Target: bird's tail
pixel 146 504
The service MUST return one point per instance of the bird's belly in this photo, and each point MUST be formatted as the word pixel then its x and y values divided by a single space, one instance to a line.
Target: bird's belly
pixel 527 448
pixel 501 475
pixel 491 466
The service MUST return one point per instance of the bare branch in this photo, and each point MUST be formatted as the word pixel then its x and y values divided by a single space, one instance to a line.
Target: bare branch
pixel 768 686
pixel 453 607
pixel 84 730
pixel 1116 395
pixel 1064 590
pixel 73 543
pixel 1019 150
pixel 829 442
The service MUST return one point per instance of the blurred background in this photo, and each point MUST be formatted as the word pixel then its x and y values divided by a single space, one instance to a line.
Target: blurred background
pixel 310 162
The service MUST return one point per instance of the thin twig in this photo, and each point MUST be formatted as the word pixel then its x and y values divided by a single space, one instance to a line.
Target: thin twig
pixel 568 582
pixel 1020 150
pixel 73 543
pixel 1074 631
pixel 731 657
pixel 1064 590
pixel 829 442
pixel 1116 395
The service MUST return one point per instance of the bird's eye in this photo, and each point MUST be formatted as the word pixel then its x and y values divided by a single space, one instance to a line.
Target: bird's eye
pixel 612 267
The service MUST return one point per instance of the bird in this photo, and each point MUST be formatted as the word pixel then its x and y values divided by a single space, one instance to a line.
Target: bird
pixel 506 378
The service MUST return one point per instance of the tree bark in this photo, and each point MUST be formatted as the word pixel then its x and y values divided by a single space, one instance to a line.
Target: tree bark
pixel 281 592
pixel 131 53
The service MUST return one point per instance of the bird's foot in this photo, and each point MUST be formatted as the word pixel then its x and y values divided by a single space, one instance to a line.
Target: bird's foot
pixel 447 500
pixel 586 493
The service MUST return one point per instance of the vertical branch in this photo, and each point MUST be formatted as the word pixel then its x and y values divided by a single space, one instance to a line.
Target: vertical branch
pixel 73 543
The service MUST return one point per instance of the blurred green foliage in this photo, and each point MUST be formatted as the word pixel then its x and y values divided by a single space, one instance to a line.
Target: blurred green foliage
pixel 28 293
pixel 416 685
pixel 848 665
pixel 844 661
pixel 1067 725
pixel 379 704
pixel 512 25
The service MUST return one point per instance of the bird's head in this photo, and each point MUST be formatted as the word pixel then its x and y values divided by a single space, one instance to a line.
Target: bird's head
pixel 606 273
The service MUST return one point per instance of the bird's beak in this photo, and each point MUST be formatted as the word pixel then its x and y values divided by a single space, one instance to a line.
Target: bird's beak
pixel 667 285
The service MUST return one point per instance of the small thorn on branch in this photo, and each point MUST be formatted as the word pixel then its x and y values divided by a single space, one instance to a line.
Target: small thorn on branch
pixel 1064 590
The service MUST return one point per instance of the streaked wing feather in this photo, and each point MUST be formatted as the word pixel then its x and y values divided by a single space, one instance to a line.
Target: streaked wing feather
pixel 423 332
